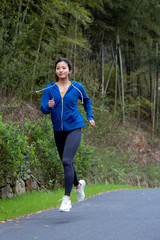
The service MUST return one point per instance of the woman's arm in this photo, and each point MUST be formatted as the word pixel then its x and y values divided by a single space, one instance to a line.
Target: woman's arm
pixel 87 106
pixel 45 108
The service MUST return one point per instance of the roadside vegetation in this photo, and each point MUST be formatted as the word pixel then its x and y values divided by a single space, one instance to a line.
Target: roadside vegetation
pixel 29 148
pixel 110 153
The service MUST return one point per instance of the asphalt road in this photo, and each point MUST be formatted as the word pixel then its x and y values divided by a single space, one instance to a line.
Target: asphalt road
pixel 118 215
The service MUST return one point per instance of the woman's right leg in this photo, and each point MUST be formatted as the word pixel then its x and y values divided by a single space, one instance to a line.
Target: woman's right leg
pixel 60 138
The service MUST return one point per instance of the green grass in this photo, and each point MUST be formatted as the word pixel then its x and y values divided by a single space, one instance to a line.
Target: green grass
pixel 37 201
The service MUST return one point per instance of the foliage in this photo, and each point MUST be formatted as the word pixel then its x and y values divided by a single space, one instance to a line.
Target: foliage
pixel 34 34
pixel 32 147
pixel 117 169
pixel 119 161
pixel 16 155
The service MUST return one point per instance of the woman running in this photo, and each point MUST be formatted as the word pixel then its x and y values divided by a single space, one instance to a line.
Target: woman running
pixel 60 99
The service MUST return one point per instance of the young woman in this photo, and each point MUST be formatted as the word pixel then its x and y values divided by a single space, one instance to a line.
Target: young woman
pixel 60 99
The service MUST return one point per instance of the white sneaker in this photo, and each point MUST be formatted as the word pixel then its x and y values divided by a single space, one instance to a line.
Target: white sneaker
pixel 65 205
pixel 80 192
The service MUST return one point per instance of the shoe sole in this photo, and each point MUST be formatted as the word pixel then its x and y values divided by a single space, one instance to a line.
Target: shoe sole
pixel 63 210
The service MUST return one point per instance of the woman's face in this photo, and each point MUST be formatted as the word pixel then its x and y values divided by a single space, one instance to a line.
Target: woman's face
pixel 62 70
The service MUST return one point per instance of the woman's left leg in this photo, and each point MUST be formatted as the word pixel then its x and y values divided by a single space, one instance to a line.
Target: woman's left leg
pixel 72 143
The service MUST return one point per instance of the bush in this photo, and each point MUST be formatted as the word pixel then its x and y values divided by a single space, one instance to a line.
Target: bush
pixel 50 170
pixel 32 146
pixel 16 155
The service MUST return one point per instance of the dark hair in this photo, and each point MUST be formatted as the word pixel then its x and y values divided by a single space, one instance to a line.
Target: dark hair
pixel 67 62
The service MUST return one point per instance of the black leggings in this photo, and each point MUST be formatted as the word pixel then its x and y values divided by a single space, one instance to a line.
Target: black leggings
pixel 67 144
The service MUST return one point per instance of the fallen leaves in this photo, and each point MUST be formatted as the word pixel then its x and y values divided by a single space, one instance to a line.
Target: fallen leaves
pixel 45 225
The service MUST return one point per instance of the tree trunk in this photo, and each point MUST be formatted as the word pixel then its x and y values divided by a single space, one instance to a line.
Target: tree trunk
pixel 139 100
pixel 147 87
pixel 75 49
pixel 151 88
pixel 25 12
pixel 151 80
pixel 157 93
pixel 36 59
pixel 17 25
pixel 127 67
pixel 122 80
pixel 109 75
pixel 111 68
pixel 116 84
pixel 103 63
pixel 154 108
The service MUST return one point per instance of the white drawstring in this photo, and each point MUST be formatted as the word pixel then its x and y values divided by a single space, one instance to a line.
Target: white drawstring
pixel 79 91
pixel 44 89
pixel 53 86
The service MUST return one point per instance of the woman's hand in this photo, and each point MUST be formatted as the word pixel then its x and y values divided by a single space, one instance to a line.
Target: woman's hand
pixel 92 123
pixel 51 103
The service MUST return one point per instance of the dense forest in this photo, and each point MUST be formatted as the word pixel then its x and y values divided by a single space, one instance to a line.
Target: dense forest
pixel 113 46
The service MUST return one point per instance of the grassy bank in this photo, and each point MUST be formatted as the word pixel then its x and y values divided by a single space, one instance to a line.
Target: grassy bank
pixel 37 201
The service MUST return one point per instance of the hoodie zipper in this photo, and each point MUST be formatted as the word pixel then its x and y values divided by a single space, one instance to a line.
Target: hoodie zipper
pixel 62 103
pixel 62 115
pixel 62 109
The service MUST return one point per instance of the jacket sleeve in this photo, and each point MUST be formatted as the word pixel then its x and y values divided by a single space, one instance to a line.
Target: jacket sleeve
pixel 44 102
pixel 86 103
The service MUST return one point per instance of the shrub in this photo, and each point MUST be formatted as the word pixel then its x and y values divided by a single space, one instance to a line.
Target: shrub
pixel 16 155
pixel 32 146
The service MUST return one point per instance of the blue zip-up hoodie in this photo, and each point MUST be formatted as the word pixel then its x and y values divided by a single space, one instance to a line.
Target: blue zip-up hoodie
pixel 65 115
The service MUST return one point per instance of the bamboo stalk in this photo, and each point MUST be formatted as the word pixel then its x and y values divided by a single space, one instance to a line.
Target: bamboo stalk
pixel 75 49
pixel 25 12
pixel 36 59
pixel 103 69
pixel 111 68
pixel 157 92
pixel 116 84
pixel 154 108
pixel 122 80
